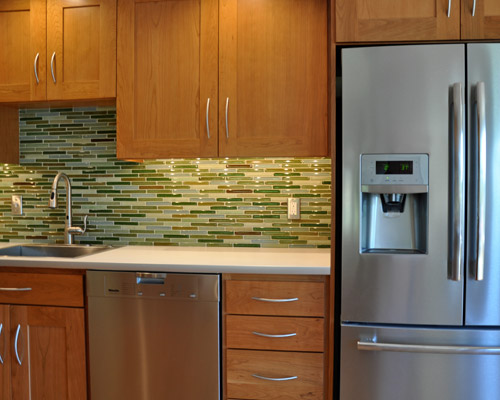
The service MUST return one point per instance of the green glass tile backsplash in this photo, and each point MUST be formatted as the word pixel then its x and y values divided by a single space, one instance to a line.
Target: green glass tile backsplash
pixel 240 202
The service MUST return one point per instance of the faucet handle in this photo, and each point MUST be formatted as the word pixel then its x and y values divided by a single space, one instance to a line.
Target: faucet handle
pixel 76 230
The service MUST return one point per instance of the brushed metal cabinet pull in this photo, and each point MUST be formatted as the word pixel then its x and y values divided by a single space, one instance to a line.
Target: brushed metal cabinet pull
pixel 18 331
pixel 52 66
pixel 481 195
pixel 15 289
pixel 449 8
pixel 35 67
pixel 1 328
pixel 474 8
pixel 227 110
pixel 275 300
pixel 206 117
pixel 267 335
pixel 286 378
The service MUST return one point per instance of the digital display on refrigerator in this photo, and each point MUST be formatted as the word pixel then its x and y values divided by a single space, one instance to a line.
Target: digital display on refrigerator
pixel 394 167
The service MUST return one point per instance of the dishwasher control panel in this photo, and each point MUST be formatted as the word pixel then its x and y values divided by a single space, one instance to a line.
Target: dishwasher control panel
pixel 154 285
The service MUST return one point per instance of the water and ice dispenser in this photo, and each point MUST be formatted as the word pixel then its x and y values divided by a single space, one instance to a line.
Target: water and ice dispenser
pixel 394 203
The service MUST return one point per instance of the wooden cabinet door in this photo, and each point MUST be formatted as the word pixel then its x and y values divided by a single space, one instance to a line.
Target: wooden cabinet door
pixel 483 22
pixel 273 78
pixel 389 20
pixel 81 49
pixel 5 386
pixel 22 38
pixel 48 356
pixel 167 78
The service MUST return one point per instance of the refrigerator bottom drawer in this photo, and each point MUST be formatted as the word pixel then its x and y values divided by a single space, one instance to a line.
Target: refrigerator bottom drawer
pixel 394 363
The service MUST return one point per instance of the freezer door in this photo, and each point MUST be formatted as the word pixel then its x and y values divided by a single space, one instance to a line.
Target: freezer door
pixel 483 283
pixel 400 99
pixel 419 364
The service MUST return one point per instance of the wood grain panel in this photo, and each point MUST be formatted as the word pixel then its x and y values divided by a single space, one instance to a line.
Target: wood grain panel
pixel 239 298
pixel 309 333
pixel 46 289
pixel 485 24
pixel 5 379
pixel 242 364
pixel 22 36
pixel 167 70
pixel 55 360
pixel 273 70
pixel 385 20
pixel 82 33
pixel 9 135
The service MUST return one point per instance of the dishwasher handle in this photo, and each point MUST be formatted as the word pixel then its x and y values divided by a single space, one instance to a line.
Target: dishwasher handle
pixel 149 278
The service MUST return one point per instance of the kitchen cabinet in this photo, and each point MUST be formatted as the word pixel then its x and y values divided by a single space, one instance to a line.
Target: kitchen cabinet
pixel 274 337
pixel 57 50
pixel 42 346
pixel 203 78
pixel 485 23
pixel 386 20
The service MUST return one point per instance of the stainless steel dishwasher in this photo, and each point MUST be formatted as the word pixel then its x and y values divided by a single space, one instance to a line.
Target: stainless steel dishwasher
pixel 153 336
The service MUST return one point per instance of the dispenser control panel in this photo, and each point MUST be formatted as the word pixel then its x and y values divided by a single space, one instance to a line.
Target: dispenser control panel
pixel 394 169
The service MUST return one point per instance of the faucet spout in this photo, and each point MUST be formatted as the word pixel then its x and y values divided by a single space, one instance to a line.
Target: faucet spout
pixel 69 230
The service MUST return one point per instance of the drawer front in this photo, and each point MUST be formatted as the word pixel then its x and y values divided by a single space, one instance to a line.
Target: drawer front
pixel 275 298
pixel 306 369
pixel 41 289
pixel 274 333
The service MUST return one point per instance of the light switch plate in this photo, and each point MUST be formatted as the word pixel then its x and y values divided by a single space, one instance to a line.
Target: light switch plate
pixel 17 204
pixel 293 208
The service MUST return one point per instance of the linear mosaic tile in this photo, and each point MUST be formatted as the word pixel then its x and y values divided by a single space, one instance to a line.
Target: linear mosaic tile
pixel 240 202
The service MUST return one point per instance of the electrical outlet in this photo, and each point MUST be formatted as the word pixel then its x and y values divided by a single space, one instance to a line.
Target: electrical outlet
pixel 293 208
pixel 17 204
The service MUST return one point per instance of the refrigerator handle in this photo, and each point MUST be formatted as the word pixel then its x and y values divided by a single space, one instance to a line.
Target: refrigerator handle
pixel 458 179
pixel 481 193
pixel 427 348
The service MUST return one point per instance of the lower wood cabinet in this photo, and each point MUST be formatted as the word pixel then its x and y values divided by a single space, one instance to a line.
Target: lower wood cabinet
pixel 274 337
pixel 42 348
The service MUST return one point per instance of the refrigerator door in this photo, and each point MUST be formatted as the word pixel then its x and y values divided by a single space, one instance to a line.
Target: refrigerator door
pixel 483 278
pixel 399 99
pixel 419 364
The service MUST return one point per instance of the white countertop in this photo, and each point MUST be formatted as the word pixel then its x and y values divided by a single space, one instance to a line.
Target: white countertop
pixel 189 259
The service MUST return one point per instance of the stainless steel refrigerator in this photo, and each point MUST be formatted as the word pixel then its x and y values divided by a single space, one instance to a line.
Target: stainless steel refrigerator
pixel 420 243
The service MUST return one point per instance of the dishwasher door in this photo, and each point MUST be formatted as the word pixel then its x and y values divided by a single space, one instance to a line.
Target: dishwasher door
pixel 153 336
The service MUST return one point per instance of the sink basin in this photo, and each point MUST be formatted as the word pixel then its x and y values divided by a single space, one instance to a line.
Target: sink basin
pixel 67 251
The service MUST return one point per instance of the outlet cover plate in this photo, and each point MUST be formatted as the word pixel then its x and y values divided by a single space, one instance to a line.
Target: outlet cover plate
pixel 293 208
pixel 17 204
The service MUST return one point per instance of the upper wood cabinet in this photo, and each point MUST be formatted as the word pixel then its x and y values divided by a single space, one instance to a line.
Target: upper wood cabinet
pixel 483 22
pixel 57 49
pixel 408 20
pixel 167 78
pixel 246 79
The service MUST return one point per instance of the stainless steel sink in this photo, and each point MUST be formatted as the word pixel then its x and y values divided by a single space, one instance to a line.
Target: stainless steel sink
pixel 67 251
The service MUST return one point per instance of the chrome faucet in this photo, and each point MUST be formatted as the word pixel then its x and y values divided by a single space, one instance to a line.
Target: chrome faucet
pixel 69 230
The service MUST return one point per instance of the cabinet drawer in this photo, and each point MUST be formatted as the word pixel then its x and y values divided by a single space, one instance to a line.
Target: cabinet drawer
pixel 275 333
pixel 304 369
pixel 275 298
pixel 41 289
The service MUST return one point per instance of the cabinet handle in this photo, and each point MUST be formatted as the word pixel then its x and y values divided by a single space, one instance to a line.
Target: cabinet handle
pixel 15 343
pixel 449 8
pixel 206 117
pixel 227 109
pixel 15 289
pixel 1 328
pixel 474 8
pixel 287 378
pixel 52 66
pixel 285 335
pixel 35 67
pixel 275 300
